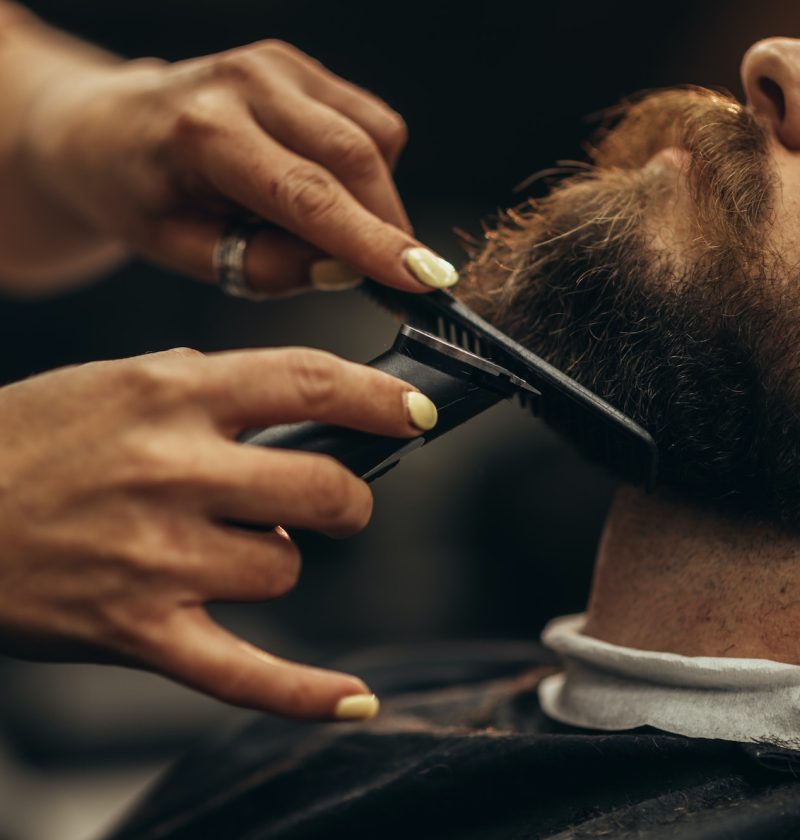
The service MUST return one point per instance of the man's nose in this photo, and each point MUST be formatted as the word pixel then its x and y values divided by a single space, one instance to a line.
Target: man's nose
pixel 771 78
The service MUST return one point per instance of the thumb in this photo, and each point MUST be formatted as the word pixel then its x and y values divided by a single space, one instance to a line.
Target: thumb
pixel 205 656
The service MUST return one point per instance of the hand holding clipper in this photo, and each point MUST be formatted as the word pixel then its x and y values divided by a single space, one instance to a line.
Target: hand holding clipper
pixel 459 383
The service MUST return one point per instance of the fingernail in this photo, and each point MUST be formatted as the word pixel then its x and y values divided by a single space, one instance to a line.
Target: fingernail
pixel 357 707
pixel 421 411
pixel 334 276
pixel 429 268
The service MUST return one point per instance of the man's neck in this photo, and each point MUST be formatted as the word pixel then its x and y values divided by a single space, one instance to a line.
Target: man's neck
pixel 673 577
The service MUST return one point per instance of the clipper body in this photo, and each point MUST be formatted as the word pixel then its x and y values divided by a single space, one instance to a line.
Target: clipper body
pixel 461 385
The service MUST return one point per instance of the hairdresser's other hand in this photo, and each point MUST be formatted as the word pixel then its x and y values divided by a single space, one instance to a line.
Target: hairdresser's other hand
pixel 117 481
pixel 158 156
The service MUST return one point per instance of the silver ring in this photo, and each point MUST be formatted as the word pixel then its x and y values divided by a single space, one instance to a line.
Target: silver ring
pixel 228 262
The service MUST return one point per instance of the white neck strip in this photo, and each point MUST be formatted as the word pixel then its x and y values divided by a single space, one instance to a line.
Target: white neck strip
pixel 605 686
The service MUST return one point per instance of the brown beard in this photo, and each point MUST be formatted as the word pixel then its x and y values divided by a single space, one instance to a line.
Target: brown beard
pixel 698 343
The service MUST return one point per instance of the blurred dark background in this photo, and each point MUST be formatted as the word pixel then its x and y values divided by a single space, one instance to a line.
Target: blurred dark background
pixel 489 532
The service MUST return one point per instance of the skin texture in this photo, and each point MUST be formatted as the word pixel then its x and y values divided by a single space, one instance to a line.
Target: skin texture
pixel 677 576
pixel 101 157
pixel 651 284
pixel 664 278
pixel 671 576
pixel 119 481
pixel 118 485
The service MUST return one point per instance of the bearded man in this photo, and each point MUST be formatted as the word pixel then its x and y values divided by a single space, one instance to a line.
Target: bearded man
pixel 663 277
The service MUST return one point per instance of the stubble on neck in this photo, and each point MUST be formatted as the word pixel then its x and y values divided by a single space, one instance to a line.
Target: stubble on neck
pixel 674 577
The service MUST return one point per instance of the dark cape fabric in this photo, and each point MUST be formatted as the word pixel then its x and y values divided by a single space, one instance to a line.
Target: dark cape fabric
pixel 462 750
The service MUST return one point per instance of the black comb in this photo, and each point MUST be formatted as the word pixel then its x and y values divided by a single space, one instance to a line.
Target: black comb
pixel 599 430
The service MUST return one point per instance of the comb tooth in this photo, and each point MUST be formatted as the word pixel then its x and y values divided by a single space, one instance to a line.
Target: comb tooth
pixel 476 345
pixel 464 335
pixel 453 334
pixel 428 323
pixel 440 327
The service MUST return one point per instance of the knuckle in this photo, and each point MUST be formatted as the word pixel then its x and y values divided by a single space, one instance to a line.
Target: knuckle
pixel 330 494
pixel 295 696
pixel 152 463
pixel 149 463
pixel 353 152
pixel 172 546
pixel 362 509
pixel 237 66
pixel 285 571
pixel 190 123
pixel 196 119
pixel 164 378
pixel 296 699
pixel 279 48
pixel 315 376
pixel 123 624
pixel 147 551
pixel 131 624
pixel 392 134
pixel 234 689
pixel 306 192
pixel 185 353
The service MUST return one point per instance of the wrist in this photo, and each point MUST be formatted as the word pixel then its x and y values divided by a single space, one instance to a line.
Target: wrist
pixel 45 242
pixel 42 68
pixel 74 135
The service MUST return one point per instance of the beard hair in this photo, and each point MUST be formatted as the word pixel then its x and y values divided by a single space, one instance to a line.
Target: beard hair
pixel 699 347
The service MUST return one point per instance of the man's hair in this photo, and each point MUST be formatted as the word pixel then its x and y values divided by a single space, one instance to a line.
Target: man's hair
pixel 655 287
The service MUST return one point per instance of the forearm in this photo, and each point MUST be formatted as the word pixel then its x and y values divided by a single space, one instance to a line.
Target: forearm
pixel 44 245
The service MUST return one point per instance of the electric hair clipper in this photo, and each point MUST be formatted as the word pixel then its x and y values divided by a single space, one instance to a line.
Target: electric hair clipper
pixel 459 383
pixel 597 429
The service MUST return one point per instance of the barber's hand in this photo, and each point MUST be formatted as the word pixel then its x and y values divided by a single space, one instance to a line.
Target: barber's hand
pixel 117 480
pixel 158 156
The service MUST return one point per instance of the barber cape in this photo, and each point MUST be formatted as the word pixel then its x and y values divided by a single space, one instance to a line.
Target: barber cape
pixel 463 751
pixel 608 687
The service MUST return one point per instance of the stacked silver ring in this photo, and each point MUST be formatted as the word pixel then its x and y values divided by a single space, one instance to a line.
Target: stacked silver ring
pixel 228 262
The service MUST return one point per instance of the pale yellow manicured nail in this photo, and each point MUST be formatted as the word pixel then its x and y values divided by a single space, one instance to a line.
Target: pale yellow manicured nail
pixel 357 707
pixel 334 276
pixel 429 268
pixel 421 411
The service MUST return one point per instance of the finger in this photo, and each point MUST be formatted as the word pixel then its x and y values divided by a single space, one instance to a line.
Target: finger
pixel 238 565
pixel 199 653
pixel 298 489
pixel 338 144
pixel 386 127
pixel 276 263
pixel 250 388
pixel 252 169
